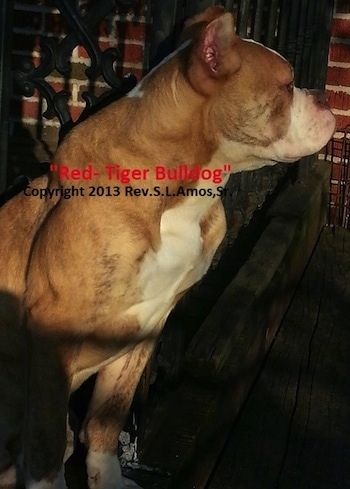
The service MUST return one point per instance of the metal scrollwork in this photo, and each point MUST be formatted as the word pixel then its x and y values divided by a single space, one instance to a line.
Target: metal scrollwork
pixel 56 55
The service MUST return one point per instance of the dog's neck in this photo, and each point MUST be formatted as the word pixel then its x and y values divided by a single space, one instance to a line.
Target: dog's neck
pixel 169 114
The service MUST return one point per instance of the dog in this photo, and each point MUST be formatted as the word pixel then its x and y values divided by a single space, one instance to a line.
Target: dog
pixel 95 254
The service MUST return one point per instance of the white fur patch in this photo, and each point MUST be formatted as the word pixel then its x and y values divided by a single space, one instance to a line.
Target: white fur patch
pixel 311 127
pixel 104 472
pixel 176 265
pixel 58 483
pixel 240 156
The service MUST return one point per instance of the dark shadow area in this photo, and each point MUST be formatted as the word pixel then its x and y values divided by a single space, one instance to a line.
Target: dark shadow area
pixel 293 431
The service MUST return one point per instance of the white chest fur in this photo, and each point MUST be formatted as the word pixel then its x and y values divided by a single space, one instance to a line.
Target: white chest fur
pixel 175 266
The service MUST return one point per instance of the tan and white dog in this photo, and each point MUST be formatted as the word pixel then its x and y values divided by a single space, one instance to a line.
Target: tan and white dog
pixel 87 282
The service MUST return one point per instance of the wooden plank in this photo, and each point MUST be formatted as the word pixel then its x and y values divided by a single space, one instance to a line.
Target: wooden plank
pixel 187 439
pixel 268 277
pixel 295 430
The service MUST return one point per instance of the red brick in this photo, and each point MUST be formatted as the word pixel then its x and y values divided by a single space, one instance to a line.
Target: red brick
pixel 131 53
pixel 58 86
pixel 334 190
pixel 342 121
pixel 341 28
pixel 31 109
pixel 82 53
pixel 334 147
pixel 335 176
pixel 338 76
pixel 335 170
pixel 103 45
pixel 340 53
pixel 131 30
pixel 75 112
pixel 337 145
pixel 338 100
pixel 25 108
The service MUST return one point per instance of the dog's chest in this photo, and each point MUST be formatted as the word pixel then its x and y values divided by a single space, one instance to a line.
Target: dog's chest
pixel 174 267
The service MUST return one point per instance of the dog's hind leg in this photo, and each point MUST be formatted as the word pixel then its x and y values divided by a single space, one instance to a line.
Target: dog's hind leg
pixel 114 391
pixel 46 410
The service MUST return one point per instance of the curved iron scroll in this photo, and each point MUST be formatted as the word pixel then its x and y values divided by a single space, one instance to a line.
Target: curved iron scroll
pixel 56 55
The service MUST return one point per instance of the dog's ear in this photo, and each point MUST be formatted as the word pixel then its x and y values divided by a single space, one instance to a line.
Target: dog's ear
pixel 217 47
pixel 207 16
pixel 214 55
pixel 194 24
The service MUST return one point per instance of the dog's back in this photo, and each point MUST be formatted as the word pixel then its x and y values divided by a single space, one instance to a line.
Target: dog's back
pixel 19 220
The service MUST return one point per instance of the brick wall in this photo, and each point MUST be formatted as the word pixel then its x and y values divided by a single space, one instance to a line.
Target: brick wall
pixel 31 134
pixel 338 78
pixel 36 137
pixel 338 91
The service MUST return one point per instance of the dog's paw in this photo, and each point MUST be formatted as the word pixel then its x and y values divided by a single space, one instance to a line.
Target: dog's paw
pixel 104 472
pixel 122 483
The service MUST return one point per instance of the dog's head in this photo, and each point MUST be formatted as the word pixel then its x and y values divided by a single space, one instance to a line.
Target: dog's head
pixel 251 92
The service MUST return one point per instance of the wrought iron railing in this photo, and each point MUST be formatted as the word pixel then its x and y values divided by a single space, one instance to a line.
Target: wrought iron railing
pixel 56 55
pixel 338 153
pixel 6 14
pixel 292 28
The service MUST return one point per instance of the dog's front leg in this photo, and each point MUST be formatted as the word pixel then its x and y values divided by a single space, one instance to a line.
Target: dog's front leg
pixel 114 390
pixel 46 411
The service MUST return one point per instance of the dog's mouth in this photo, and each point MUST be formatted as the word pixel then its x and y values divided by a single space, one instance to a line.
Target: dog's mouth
pixel 312 125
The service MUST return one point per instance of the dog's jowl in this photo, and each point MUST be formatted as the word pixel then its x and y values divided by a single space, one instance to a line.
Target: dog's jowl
pixel 88 278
